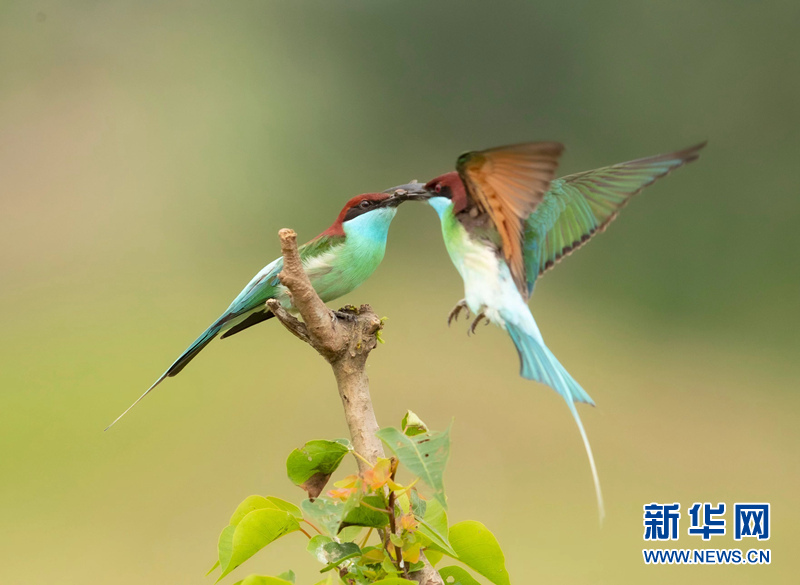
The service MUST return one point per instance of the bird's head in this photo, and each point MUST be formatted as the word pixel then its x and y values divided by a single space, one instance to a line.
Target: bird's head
pixel 446 190
pixel 373 212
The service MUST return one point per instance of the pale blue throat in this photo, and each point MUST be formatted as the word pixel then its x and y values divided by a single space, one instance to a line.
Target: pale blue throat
pixel 440 204
pixel 371 227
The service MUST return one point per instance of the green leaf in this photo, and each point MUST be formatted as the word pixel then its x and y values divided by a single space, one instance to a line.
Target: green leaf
pixel 434 526
pixel 418 505
pixel 211 570
pixel 316 547
pixel 280 504
pixel 394 581
pixel 288 576
pixel 325 512
pixel 349 533
pixel 361 515
pixel 352 501
pixel 433 556
pixel 255 531
pixel 263 580
pixel 249 504
pixel 412 425
pixel 424 455
pixel 404 503
pixel 225 546
pixel 331 579
pixel 311 466
pixel 477 548
pixel 457 576
pixel 389 567
pixel 335 553
pixel 329 552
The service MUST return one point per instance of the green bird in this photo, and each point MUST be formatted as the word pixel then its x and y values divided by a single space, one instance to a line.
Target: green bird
pixel 505 221
pixel 336 261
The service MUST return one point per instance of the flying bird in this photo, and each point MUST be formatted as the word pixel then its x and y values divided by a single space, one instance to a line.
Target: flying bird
pixel 505 220
pixel 336 261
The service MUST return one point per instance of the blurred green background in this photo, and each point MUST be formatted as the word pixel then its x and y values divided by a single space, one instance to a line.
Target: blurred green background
pixel 150 151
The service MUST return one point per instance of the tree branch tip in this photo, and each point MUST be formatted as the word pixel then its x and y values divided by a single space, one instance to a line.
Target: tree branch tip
pixel 286 234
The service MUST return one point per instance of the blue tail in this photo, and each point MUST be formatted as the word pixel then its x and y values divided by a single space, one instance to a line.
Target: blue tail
pixel 538 363
pixel 179 364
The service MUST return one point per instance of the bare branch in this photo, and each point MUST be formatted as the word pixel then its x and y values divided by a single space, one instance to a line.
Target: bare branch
pixel 316 315
pixel 297 327
pixel 344 338
pixel 427 575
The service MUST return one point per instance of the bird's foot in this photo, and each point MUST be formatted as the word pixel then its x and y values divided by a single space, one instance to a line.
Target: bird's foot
pixel 347 313
pixel 460 306
pixel 475 323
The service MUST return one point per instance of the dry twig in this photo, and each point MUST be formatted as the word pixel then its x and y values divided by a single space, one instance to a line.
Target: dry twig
pixel 344 338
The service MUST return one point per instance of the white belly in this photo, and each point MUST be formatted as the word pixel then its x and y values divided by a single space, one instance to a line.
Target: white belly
pixel 488 285
pixel 487 280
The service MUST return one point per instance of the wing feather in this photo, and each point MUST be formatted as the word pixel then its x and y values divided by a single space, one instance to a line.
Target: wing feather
pixel 507 183
pixel 578 206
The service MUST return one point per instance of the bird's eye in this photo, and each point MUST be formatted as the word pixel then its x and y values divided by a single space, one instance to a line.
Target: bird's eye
pixel 365 204
pixel 438 188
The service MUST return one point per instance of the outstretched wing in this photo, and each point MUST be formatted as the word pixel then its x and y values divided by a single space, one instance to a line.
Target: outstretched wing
pixel 507 183
pixel 578 206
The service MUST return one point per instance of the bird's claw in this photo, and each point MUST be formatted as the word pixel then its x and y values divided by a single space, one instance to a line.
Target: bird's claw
pixel 460 306
pixel 475 323
pixel 344 315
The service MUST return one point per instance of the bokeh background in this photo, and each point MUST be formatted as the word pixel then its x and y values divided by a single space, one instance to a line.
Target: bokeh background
pixel 150 151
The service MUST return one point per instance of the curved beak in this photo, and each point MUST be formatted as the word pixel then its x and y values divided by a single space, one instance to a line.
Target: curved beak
pixel 413 191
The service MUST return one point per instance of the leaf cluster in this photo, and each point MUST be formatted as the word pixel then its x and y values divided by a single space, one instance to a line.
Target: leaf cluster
pixel 368 528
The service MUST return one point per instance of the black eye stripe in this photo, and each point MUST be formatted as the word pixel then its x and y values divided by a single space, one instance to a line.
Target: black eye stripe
pixel 363 207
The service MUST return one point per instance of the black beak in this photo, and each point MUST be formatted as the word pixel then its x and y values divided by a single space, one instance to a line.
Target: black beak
pixel 413 191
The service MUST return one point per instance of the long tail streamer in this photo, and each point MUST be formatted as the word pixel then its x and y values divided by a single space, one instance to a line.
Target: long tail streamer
pixel 539 363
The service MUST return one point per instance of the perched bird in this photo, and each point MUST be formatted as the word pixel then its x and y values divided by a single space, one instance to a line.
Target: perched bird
pixel 336 261
pixel 505 221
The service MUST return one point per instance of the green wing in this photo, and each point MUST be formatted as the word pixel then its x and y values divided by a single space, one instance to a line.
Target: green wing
pixel 265 284
pixel 578 206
